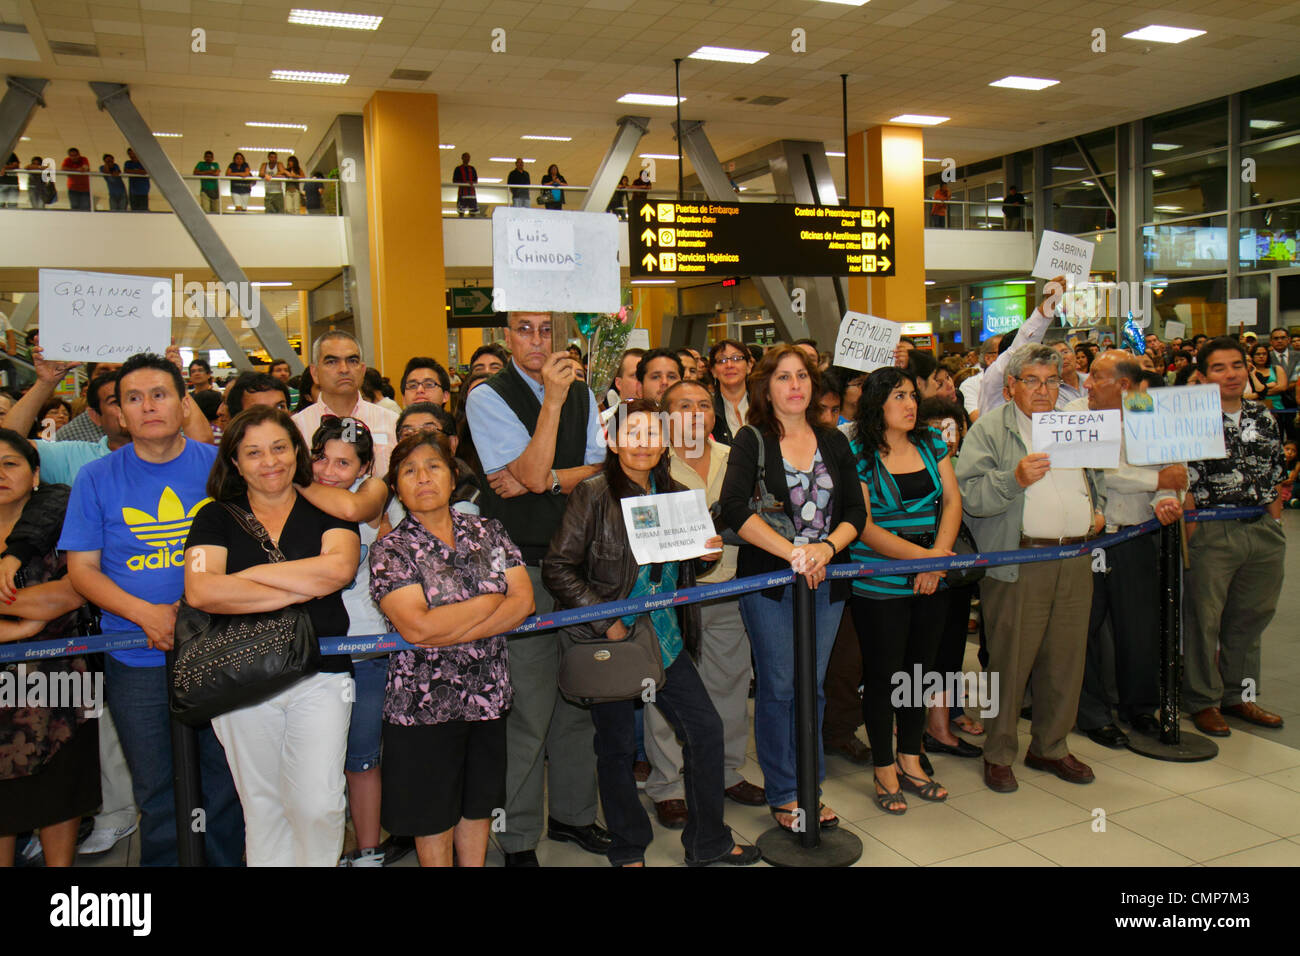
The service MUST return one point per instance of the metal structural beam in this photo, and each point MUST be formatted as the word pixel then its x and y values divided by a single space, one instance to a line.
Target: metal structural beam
pixel 610 171
pixel 115 99
pixel 717 186
pixel 22 96
pixel 1095 173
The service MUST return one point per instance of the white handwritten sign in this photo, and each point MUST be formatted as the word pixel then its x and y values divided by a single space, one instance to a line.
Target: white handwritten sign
pixel 552 260
pixel 1242 311
pixel 866 342
pixel 101 317
pixel 671 527
pixel 1167 425
pixel 1175 330
pixel 1082 439
pixel 638 339
pixel 1062 255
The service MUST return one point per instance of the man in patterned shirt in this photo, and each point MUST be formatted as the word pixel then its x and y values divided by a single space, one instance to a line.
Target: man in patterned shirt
pixel 1236 565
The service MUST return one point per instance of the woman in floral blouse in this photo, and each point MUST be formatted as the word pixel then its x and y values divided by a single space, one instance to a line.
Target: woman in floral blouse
pixel 452 583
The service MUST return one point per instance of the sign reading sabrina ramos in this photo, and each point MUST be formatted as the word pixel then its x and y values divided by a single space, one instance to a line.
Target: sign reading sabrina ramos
pixel 101 317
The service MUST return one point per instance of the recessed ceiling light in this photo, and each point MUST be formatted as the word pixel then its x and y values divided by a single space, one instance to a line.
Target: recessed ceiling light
pixel 672 156
pixel 265 149
pixel 1087 182
pixel 266 285
pixel 927 159
pixel 929 282
pixel 832 153
pixel 446 145
pixel 549 139
pixel 508 159
pixel 1265 124
pixel 300 126
pixel 1166 147
pixel 650 99
pixel 847 3
pixel 919 119
pixel 1024 83
pixel 653 281
pixel 1169 208
pixel 169 135
pixel 327 18
pixel 25 139
pixel 727 55
pixel 1069 169
pixel 306 76
pixel 489 179
pixel 1157 172
pixel 1158 34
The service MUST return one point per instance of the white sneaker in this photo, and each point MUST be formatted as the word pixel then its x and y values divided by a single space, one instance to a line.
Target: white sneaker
pixel 369 857
pixel 102 839
pixel 33 853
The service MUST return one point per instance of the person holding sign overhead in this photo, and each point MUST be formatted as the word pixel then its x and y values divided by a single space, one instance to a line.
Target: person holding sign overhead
pixel 1037 613
pixel 590 562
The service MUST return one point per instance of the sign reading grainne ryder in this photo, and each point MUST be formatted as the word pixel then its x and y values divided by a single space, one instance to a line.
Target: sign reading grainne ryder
pixel 101 317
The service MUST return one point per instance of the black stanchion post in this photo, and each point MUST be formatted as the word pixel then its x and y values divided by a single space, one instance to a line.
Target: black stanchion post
pixel 186 789
pixel 1173 743
pixel 811 845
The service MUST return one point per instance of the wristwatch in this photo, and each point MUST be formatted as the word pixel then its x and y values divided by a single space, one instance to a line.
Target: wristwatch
pixel 555 482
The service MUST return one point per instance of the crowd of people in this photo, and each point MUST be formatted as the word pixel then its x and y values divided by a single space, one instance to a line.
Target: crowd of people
pixel 451 508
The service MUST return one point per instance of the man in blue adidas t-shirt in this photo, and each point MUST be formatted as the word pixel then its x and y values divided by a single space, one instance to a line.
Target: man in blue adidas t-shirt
pixel 125 534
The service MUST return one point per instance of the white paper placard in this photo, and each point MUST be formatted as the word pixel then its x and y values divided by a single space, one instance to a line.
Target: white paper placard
pixel 552 260
pixel 1174 330
pixel 102 317
pixel 1063 255
pixel 670 527
pixel 866 342
pixel 1166 425
pixel 1082 439
pixel 638 339
pixel 1242 311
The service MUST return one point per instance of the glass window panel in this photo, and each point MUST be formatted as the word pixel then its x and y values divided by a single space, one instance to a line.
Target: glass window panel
pixel 1199 245
pixel 1276 172
pixel 1081 207
pixel 1270 110
pixel 1269 238
pixel 1064 162
pixel 1201 305
pixel 1187 131
pixel 1187 187
pixel 1260 288
pixel 1101 147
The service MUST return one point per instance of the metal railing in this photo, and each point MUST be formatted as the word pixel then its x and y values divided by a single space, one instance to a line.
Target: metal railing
pixel 979 214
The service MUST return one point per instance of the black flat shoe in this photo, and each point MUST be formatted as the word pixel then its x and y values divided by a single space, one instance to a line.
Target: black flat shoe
pixel 962 748
pixel 522 858
pixel 593 837
pixel 1146 724
pixel 927 766
pixel 747 856
pixel 1108 736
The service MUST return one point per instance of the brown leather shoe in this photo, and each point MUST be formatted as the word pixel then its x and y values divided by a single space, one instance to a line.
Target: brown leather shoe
pixel 671 813
pixel 999 778
pixel 1251 712
pixel 1068 768
pixel 850 747
pixel 1210 721
pixel 748 794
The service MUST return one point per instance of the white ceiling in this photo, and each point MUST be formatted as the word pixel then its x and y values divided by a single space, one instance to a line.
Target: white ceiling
pixel 567 61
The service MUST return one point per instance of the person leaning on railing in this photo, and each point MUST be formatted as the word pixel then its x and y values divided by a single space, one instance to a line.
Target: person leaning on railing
pixel 590 562
pixel 239 190
pixel 452 584
pixel 285 753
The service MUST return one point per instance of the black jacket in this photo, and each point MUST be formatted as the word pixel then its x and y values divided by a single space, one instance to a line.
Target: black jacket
pixel 37 530
pixel 742 474
pixel 590 562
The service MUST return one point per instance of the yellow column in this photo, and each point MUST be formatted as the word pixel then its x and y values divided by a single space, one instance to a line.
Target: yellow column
pixel 886 169
pixel 304 326
pixel 404 207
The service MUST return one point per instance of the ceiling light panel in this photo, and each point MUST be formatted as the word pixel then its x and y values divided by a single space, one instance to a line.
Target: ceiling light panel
pixel 341 21
pixel 724 54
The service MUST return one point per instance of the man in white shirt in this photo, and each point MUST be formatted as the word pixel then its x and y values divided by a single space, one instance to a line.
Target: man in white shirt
pixel 1125 593
pixel 1031 333
pixel 338 369
pixel 1037 613
pixel 970 389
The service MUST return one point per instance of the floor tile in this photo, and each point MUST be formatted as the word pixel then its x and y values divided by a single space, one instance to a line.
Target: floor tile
pixel 1259 802
pixel 1175 776
pixel 1008 854
pixel 1113 790
pixel 930 833
pixel 1192 829
pixel 1020 814
pixel 1080 845
pixel 1280 853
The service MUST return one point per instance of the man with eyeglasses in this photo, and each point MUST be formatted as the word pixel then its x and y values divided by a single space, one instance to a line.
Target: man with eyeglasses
pixel 1037 613
pixel 538 436
pixel 425 380
pixel 338 369
pixel 1030 333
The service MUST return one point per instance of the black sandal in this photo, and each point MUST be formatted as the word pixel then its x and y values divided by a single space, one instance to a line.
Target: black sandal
pixel 830 824
pixel 886 800
pixel 925 789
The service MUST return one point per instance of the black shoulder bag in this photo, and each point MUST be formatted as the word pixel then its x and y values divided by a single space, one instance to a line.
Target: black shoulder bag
pixel 222 662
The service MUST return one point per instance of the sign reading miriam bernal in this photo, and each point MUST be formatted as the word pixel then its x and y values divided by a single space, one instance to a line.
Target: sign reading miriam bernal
pixel 669 527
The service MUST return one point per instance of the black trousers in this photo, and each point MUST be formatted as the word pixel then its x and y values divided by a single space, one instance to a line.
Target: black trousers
pixel 1126 598
pixel 896 635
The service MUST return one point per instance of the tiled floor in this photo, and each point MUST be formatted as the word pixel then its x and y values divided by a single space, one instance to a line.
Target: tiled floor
pixel 1241 808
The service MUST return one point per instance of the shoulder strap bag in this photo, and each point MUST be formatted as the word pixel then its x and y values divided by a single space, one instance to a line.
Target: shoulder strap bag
pixel 764 503
pixel 222 662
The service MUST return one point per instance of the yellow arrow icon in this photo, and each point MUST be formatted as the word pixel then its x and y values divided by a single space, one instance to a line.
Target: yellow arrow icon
pixel 648 237
pixel 882 218
pixel 883 263
pixel 649 261
pixel 647 212
pixel 883 241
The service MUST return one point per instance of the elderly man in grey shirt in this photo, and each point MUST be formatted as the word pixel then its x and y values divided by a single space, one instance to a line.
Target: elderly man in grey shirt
pixel 1037 613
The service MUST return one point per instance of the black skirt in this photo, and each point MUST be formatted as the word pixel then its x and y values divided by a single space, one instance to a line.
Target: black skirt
pixel 66 788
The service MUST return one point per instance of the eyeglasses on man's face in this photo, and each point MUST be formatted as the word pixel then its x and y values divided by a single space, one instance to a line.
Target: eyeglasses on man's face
pixel 1034 383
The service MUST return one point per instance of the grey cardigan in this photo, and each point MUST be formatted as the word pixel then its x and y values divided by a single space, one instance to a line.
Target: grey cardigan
pixel 992 499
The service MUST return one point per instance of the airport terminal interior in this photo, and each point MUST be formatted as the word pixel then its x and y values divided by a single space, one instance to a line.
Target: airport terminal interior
pixel 304 179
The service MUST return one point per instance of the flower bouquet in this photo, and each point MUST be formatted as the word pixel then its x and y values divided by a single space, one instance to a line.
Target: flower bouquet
pixel 606 334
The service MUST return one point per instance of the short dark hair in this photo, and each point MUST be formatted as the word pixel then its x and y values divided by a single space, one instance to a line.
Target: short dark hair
pixel 936 407
pixel 446 421
pixel 1224 343
pixel 423 361
pixel 92 390
pixel 761 414
pixel 404 448
pixel 716 349
pixel 648 357
pixel 353 431
pixel 142 361
pixel 812 342
pixel 21 445
pixel 830 383
pixel 201 364
pixel 276 363
pixel 619 484
pixel 921 365
pixel 491 348
pixel 675 386
pixel 251 382
pixel 224 481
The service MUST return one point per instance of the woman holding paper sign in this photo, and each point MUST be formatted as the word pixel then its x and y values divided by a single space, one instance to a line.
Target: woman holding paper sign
pixel 809 470
pixel 590 562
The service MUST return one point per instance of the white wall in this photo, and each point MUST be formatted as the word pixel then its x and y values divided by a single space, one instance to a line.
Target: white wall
pixel 978 250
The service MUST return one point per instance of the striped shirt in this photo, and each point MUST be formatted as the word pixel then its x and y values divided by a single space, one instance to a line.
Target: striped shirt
pixel 896 514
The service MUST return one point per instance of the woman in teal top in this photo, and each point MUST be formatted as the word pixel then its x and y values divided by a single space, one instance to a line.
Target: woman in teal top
pixel 913 511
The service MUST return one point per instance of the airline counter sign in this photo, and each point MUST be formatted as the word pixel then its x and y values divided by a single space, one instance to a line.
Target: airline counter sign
pixel 764 239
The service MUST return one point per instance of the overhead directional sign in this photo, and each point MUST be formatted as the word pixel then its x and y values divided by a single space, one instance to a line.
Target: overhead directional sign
pixel 762 239
pixel 472 303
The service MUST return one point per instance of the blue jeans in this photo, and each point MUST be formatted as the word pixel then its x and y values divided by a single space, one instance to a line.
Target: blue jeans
pixel 685 704
pixel 79 199
pixel 520 202
pixel 366 725
pixel 771 635
pixel 137 696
